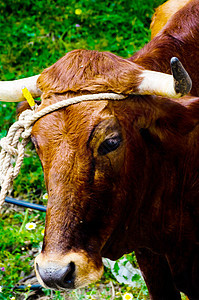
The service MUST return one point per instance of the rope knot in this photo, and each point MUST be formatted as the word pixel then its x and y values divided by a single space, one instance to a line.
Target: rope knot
pixel 25 117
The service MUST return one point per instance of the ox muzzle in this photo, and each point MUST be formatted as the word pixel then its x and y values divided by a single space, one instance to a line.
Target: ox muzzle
pixel 70 271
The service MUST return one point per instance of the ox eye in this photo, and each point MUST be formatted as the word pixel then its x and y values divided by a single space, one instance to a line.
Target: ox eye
pixel 109 145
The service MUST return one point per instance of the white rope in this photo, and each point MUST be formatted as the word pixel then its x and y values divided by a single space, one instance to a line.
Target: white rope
pixel 13 145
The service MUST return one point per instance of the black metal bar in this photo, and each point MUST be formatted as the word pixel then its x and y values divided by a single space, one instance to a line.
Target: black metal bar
pixel 25 204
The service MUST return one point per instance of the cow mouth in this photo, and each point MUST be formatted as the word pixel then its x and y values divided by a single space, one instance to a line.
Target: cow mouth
pixel 70 271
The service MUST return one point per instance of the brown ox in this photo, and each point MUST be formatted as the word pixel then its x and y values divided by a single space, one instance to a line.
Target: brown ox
pixel 121 176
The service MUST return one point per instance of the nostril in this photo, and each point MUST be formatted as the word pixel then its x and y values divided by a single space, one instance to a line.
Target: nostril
pixel 57 277
pixel 69 274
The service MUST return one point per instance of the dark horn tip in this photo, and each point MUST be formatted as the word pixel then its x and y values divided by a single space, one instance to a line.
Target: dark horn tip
pixel 174 60
pixel 183 83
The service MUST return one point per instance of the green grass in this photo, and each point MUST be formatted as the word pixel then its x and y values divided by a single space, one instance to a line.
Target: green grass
pixel 34 35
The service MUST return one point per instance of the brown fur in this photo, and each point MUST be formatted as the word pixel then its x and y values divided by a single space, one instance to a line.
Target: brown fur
pixel 179 38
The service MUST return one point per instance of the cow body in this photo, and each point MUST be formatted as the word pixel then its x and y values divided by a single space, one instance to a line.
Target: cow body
pixel 122 176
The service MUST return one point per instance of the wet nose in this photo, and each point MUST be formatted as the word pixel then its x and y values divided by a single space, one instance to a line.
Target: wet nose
pixel 57 277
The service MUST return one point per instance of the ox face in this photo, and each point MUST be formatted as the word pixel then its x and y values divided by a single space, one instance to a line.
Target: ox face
pixel 83 163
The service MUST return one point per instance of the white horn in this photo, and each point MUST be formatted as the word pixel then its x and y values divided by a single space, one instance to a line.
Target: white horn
pixel 11 91
pixel 172 86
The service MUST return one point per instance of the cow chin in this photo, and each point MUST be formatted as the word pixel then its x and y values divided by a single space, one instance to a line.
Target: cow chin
pixel 70 271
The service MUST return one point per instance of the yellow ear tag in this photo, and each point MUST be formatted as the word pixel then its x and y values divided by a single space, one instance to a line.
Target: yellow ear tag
pixel 28 97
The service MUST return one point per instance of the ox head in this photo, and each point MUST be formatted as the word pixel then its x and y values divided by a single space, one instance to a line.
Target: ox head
pixel 86 155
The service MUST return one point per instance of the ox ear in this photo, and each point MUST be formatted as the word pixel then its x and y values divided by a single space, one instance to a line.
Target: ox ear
pixel 22 106
pixel 192 105
pixel 170 124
